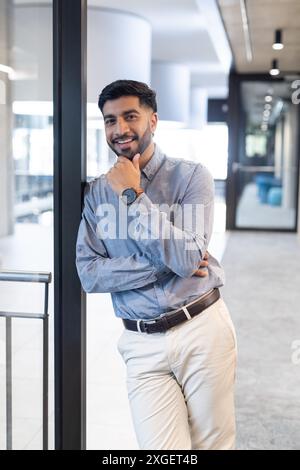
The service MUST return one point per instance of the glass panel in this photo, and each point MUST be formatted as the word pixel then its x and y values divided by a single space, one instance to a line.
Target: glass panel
pixel 109 424
pixel 267 166
pixel 108 421
pixel 208 145
pixel 26 207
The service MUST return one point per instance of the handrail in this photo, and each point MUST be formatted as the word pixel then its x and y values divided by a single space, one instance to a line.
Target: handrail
pixel 21 276
pixel 32 316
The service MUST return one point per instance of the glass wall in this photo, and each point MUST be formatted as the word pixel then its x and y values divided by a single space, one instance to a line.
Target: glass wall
pixel 26 206
pixel 109 423
pixel 108 416
pixel 267 168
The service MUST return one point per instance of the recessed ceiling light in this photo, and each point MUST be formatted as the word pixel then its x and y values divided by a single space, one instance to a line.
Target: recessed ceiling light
pixel 278 44
pixel 274 68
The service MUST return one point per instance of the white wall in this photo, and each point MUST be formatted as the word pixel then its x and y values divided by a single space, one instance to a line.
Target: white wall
pixel 119 47
pixel 172 85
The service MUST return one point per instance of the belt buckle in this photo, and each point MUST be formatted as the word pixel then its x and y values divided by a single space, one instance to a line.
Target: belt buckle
pixel 161 324
pixel 145 324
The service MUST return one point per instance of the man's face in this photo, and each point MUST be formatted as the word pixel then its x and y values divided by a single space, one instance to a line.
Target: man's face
pixel 128 126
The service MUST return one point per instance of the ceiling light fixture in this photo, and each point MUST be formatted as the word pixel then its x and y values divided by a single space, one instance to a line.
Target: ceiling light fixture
pixel 274 68
pixel 245 24
pixel 268 98
pixel 278 44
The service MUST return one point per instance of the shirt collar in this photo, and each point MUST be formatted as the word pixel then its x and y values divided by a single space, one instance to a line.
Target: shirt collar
pixel 154 163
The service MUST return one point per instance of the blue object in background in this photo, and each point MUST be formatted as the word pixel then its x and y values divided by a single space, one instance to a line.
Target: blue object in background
pixel 264 184
pixel 275 196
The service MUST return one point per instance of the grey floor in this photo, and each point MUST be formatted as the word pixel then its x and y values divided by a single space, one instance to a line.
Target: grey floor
pixel 263 294
pixel 251 213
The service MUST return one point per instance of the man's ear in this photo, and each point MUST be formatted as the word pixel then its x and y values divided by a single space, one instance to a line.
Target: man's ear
pixel 154 120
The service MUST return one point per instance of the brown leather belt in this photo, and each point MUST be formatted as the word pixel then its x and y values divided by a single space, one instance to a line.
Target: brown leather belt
pixel 162 324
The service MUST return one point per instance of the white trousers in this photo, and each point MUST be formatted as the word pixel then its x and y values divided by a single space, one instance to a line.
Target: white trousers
pixel 181 383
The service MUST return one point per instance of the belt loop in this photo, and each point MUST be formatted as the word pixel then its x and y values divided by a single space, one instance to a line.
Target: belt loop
pixel 187 314
pixel 138 324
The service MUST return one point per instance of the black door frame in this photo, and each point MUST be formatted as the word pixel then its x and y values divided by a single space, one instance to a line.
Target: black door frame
pixel 234 136
pixel 69 98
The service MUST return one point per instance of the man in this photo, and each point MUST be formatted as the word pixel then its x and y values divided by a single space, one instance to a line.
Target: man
pixel 178 343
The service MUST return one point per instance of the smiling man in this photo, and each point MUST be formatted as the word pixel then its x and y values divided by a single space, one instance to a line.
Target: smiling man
pixel 179 342
pixel 129 127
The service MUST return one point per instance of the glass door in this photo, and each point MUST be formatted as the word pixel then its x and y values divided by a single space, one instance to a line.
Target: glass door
pixel 266 166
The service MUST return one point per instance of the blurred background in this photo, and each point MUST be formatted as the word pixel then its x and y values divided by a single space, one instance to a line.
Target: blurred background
pixel 226 74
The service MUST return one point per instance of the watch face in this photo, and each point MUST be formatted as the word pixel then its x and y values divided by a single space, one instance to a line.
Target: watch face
pixel 129 195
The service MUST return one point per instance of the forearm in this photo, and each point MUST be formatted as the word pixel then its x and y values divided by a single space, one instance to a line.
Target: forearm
pixel 99 274
pixel 181 249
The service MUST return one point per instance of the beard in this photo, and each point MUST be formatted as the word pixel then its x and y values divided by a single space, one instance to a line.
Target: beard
pixel 142 143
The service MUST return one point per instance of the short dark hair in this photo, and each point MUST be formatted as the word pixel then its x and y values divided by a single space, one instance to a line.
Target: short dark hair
pixel 121 88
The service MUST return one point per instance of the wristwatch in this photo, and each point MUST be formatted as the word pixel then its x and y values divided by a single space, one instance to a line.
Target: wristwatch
pixel 129 195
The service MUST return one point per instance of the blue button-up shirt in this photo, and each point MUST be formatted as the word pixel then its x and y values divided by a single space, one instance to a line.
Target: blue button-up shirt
pixel 145 254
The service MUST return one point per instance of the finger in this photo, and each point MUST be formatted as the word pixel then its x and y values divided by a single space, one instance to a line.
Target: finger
pixel 206 255
pixel 121 160
pixel 203 264
pixel 135 161
pixel 200 273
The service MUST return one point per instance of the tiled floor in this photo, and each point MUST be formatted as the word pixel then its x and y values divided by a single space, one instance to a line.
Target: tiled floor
pixel 108 417
pixel 252 213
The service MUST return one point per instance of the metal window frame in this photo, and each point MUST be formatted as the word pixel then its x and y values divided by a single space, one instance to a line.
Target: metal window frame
pixel 69 99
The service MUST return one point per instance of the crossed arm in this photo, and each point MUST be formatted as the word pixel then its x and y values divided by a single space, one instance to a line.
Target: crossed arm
pixel 100 273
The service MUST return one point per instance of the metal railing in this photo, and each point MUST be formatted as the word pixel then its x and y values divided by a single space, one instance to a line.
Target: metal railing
pixel 20 276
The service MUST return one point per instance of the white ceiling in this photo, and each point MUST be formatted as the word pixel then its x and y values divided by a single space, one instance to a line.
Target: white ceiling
pixel 264 16
pixel 188 32
pixel 184 32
